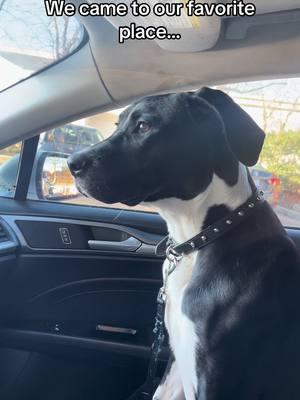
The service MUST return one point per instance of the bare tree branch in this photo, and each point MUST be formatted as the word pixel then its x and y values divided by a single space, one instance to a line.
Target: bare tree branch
pixel 64 34
pixel 267 114
pixel 72 41
pixel 57 52
pixel 285 121
pixel 2 3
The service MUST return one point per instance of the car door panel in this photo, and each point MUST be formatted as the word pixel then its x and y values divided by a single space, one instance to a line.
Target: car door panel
pixel 69 304
pixel 75 304
pixel 74 288
pixel 147 222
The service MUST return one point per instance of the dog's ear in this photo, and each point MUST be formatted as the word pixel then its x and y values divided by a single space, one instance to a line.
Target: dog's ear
pixel 243 135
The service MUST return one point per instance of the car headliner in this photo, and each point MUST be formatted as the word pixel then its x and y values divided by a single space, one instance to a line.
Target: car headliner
pixel 104 74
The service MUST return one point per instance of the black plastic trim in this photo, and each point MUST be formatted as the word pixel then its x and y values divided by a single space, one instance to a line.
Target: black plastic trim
pixel 57 343
pixel 147 222
pixel 10 245
pixel 26 162
pixel 150 239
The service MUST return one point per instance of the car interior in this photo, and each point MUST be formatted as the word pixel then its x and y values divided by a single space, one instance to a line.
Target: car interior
pixel 78 284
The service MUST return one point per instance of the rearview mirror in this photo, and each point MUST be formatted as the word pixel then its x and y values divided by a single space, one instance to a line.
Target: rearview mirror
pixel 54 180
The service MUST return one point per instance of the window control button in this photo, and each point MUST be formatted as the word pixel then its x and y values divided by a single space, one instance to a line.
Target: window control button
pixel 65 235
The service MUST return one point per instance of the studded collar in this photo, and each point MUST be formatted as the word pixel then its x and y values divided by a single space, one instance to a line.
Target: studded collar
pixel 212 232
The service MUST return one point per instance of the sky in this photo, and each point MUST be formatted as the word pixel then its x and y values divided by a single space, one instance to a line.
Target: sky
pixel 29 39
pixel 277 93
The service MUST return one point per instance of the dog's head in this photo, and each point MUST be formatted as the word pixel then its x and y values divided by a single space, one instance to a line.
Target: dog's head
pixel 169 146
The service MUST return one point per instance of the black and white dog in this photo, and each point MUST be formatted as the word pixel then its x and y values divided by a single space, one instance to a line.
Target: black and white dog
pixel 233 307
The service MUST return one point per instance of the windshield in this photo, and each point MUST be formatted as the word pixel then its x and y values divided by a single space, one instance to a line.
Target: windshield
pixel 30 40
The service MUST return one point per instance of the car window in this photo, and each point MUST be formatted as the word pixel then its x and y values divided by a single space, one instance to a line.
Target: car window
pixel 30 40
pixel 51 179
pixel 274 105
pixel 9 163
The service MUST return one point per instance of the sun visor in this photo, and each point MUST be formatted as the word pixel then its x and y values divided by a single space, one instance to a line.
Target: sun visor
pixel 196 33
pixel 189 31
pixel 269 6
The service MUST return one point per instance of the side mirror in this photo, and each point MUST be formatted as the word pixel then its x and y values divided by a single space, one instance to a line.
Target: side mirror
pixel 53 178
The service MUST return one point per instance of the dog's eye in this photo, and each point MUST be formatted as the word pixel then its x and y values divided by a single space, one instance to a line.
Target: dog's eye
pixel 143 127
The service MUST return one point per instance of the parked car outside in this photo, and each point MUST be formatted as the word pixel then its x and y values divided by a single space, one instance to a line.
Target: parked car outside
pixel 268 183
pixel 69 138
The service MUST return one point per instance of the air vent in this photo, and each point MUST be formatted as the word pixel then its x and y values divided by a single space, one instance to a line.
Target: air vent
pixel 3 234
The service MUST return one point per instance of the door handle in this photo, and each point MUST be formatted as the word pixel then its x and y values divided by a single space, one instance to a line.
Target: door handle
pixel 115 329
pixel 130 244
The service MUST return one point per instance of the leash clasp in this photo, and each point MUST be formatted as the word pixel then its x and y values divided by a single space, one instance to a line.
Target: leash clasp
pixel 173 257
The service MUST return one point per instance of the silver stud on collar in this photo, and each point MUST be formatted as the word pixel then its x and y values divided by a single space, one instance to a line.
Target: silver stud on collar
pixel 260 195
pixel 251 205
pixel 192 244
pixel 216 230
pixel 203 238
pixel 241 213
pixel 228 222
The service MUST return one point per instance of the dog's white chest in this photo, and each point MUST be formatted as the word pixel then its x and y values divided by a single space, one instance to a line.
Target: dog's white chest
pixel 183 339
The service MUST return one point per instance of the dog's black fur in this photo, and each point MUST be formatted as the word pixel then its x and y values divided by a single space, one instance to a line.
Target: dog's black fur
pixel 247 312
pixel 177 158
pixel 244 295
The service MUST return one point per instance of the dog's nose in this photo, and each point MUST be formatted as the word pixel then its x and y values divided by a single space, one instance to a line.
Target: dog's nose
pixel 77 163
